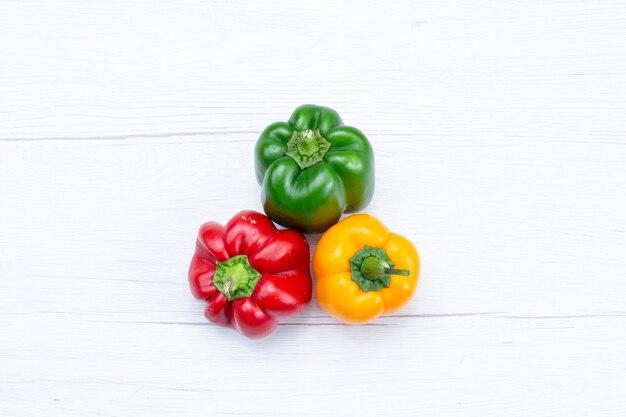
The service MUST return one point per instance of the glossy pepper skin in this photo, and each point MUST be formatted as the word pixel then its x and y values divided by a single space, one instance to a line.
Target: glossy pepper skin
pixel 363 270
pixel 313 168
pixel 250 274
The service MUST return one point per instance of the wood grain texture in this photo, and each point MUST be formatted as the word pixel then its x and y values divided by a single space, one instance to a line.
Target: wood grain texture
pixel 500 143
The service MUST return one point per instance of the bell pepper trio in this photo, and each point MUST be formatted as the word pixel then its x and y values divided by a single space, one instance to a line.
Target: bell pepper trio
pixel 311 169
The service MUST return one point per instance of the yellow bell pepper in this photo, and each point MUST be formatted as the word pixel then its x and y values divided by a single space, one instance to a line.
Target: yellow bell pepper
pixel 363 270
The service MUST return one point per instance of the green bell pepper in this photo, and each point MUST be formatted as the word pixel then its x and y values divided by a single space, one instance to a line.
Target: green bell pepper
pixel 312 169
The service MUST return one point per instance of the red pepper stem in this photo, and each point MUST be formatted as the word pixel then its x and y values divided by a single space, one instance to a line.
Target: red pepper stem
pixel 229 285
pixel 235 278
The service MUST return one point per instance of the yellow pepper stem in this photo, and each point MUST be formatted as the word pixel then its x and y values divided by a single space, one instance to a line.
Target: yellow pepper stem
pixel 372 269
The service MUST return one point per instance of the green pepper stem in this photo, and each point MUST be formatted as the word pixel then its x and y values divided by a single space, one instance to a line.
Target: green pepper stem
pixel 307 147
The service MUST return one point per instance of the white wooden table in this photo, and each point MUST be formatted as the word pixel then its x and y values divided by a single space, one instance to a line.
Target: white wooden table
pixel 499 129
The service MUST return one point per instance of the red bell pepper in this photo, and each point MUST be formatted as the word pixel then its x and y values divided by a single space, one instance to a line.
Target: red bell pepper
pixel 250 274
